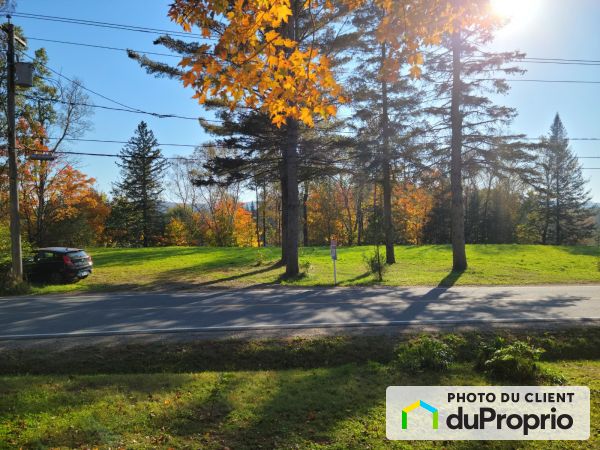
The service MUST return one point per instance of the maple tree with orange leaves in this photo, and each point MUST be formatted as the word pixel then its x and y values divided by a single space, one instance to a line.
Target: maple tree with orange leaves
pixel 59 204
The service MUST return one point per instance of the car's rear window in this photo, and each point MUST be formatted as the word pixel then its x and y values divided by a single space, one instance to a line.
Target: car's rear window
pixel 80 254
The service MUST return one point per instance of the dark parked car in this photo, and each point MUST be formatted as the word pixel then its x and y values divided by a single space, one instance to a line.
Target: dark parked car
pixel 58 265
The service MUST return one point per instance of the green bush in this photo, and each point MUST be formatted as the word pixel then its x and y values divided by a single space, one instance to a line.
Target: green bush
pixel 486 349
pixel 305 266
pixel 424 353
pixel 261 258
pixel 517 362
pixel 375 263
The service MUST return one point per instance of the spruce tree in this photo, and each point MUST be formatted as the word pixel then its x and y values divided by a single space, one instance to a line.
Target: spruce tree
pixel 470 125
pixel 387 109
pixel 562 198
pixel 142 167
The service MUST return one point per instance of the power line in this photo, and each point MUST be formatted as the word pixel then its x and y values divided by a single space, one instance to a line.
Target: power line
pixel 570 139
pixel 172 55
pixel 184 34
pixel 110 141
pixel 113 155
pixel 110 25
pixel 114 141
pixel 112 108
pixel 560 63
pixel 171 158
pixel 76 83
pixel 103 47
pixel 542 81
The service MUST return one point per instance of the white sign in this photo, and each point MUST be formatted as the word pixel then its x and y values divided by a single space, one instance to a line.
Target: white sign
pixel 488 413
pixel 333 249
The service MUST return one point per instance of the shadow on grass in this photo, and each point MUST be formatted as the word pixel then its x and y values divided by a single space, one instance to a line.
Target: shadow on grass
pixel 200 355
pixel 303 410
pixel 167 278
pixel 582 250
pixel 450 279
pixel 360 277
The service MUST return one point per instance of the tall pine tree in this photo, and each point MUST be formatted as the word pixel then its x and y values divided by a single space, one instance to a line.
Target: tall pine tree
pixel 562 200
pixel 139 191
pixel 387 109
pixel 470 123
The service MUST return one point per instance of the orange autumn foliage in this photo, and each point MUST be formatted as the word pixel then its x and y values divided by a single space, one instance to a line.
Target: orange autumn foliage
pixel 244 228
pixel 411 208
pixel 324 216
pixel 227 223
pixel 53 192
pixel 256 62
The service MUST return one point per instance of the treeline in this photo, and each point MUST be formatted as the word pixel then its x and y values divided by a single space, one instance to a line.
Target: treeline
pixel 376 121
pixel 358 120
pixel 499 207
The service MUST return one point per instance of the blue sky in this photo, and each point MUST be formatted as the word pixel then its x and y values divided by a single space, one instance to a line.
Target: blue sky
pixel 553 29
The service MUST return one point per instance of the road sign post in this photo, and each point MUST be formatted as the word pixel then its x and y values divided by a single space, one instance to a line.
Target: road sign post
pixel 333 249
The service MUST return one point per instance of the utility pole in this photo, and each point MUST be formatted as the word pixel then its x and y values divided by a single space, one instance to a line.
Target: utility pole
pixel 459 256
pixel 15 226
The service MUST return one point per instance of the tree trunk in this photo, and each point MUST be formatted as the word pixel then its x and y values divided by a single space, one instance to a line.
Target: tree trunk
pixel 359 219
pixel 284 207
pixel 388 226
pixel 41 214
pixel 291 208
pixel 557 238
pixel 305 215
pixel 546 214
pixel 264 216
pixel 292 268
pixel 257 215
pixel 459 256
pixel 486 227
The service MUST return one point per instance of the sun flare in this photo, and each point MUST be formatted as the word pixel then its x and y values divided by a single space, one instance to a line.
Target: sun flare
pixel 517 12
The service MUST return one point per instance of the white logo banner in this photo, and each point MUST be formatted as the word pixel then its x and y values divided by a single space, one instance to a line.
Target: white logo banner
pixel 488 413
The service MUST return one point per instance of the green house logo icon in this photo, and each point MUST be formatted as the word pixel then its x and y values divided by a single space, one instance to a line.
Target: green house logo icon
pixel 420 404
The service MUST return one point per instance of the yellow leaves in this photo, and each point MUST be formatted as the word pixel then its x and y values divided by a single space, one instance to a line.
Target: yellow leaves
pixel 271 35
pixel 188 78
pixel 415 72
pixel 278 120
pixel 306 117
pixel 415 59
pixel 253 63
pixel 282 11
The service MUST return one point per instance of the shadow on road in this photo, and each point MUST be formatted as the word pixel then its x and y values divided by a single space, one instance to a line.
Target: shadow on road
pixel 416 308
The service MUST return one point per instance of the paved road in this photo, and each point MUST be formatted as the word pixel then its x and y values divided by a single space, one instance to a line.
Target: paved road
pixel 283 308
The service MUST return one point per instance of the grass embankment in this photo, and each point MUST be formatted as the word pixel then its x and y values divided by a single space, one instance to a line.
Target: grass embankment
pixel 320 393
pixel 187 267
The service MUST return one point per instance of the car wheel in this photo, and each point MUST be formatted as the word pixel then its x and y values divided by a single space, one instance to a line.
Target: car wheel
pixel 56 278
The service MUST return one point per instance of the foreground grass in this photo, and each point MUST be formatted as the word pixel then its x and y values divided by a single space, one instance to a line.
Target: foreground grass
pixel 430 265
pixel 299 399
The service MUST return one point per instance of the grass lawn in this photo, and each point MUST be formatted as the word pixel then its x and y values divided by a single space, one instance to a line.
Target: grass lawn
pixel 429 265
pixel 297 396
